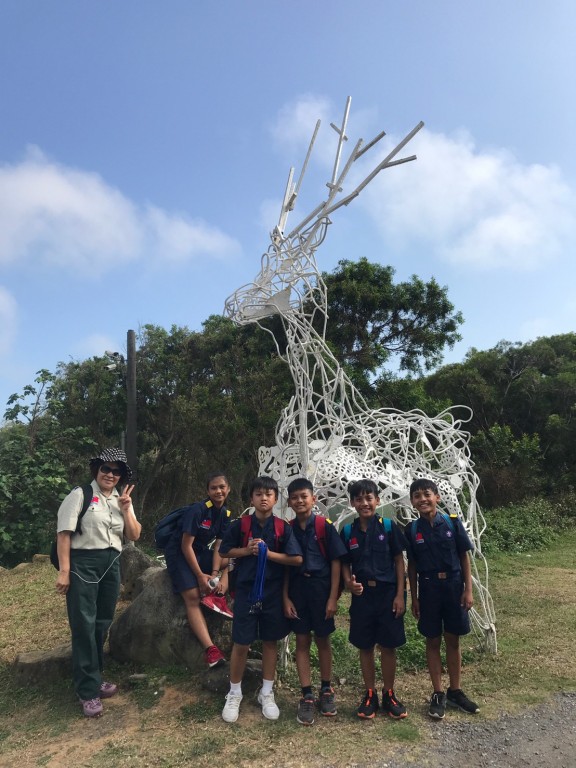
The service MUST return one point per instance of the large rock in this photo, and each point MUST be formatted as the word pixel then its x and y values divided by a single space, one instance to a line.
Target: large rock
pixel 133 563
pixel 37 666
pixel 154 628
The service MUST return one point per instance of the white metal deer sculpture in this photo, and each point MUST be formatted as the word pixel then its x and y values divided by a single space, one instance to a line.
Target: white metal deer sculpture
pixel 327 433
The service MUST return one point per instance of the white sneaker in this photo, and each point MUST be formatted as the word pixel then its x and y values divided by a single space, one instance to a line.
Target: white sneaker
pixel 269 708
pixel 232 707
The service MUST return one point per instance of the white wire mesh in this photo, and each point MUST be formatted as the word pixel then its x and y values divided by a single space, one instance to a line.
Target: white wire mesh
pixel 326 432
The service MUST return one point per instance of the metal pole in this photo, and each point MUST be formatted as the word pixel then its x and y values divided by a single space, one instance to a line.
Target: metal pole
pixel 131 425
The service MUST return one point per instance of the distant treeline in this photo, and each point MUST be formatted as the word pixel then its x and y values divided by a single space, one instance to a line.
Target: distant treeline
pixel 208 399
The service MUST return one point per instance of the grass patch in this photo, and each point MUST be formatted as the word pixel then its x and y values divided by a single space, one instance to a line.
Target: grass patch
pixel 533 594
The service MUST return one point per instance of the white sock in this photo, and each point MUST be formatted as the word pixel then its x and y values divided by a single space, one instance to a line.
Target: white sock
pixel 267 686
pixel 236 689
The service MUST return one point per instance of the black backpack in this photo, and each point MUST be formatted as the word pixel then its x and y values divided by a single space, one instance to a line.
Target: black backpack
pixel 88 492
pixel 167 526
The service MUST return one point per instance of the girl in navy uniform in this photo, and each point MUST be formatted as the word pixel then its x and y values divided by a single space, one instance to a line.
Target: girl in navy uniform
pixel 441 590
pixel 192 564
pixel 374 573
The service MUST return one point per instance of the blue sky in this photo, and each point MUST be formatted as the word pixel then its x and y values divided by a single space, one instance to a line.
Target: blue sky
pixel 145 146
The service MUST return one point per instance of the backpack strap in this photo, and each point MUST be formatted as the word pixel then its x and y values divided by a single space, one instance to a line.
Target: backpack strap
pixel 245 528
pixel 88 492
pixel 320 523
pixel 279 530
pixel 387 524
pixel 320 531
pixel 449 520
pixel 444 516
pixel 347 532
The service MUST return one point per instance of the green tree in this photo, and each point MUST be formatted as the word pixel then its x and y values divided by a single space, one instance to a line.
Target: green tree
pixel 529 389
pixel 372 318
pixel 35 457
pixel 509 468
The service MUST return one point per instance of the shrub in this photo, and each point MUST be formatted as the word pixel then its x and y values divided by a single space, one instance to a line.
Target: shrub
pixel 532 525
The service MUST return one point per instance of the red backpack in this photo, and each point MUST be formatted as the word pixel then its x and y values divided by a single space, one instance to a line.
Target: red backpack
pixel 246 527
pixel 320 530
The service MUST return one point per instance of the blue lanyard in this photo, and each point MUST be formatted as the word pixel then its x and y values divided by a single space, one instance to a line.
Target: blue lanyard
pixel 257 591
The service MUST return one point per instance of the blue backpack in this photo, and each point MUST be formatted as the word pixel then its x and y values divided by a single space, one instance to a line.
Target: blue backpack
pixel 347 530
pixel 414 525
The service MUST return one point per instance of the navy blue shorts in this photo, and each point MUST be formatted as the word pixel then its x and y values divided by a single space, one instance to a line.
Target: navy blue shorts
pixel 372 621
pixel 182 576
pixel 440 609
pixel 310 595
pixel 268 624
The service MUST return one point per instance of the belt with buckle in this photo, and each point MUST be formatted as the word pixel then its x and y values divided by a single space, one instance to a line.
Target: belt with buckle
pixel 371 583
pixel 442 575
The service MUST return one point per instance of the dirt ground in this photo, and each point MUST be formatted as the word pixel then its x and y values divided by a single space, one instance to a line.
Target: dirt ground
pixel 543 735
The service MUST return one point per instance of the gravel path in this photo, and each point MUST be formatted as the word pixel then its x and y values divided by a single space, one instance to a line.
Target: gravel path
pixel 542 737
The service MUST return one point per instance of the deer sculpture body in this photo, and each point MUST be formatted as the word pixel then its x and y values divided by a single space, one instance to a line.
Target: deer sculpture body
pixel 327 433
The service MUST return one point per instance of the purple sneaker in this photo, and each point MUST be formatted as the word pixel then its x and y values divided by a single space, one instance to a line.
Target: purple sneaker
pixel 107 690
pixel 91 707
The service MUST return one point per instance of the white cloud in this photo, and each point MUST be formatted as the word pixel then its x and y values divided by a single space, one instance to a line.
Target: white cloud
pixel 67 217
pixel 8 321
pixel 475 208
pixel 177 238
pixel 480 209
pixel 296 120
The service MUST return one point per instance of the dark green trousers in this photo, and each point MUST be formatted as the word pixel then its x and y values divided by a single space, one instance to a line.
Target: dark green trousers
pixel 91 602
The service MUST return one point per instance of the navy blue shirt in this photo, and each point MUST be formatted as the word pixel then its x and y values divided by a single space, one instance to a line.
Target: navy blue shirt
pixel 437 547
pixel 205 522
pixel 371 553
pixel 247 566
pixel 315 563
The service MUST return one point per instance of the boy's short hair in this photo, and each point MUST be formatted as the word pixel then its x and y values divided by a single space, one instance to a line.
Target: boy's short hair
pixel 300 484
pixel 265 483
pixel 423 484
pixel 358 487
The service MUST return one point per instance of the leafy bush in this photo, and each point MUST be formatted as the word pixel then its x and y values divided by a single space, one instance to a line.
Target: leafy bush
pixel 532 525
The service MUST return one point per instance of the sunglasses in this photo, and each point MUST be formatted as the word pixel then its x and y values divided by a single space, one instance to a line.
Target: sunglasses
pixel 106 470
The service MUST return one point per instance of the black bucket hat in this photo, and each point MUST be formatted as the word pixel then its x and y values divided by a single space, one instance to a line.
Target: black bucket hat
pixel 112 454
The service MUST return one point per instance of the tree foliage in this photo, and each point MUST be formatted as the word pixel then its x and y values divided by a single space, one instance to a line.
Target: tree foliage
pixel 36 454
pixel 372 318
pixel 523 398
pixel 207 399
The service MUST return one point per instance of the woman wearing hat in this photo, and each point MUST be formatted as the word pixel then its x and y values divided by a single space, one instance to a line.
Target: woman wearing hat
pixel 89 573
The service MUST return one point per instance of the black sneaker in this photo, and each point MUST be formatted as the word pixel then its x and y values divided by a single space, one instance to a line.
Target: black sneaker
pixel 305 714
pixel 437 708
pixel 391 706
pixel 459 700
pixel 327 703
pixel 369 705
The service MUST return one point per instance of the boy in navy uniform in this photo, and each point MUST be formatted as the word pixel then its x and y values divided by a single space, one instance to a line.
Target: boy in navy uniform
pixel 261 556
pixel 311 596
pixel 374 573
pixel 441 589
